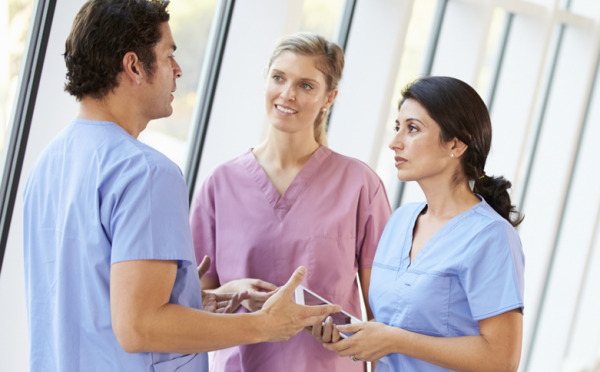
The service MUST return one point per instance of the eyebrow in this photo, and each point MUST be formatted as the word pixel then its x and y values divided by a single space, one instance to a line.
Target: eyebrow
pixel 279 72
pixel 411 119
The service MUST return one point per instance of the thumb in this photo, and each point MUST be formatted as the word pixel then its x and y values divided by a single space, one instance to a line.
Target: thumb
pixel 204 266
pixel 294 281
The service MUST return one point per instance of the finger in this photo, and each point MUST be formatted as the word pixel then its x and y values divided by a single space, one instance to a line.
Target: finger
pixel 224 296
pixel 263 286
pixel 204 266
pixel 349 328
pixel 316 330
pixel 335 334
pixel 259 296
pixel 341 347
pixel 241 296
pixel 327 330
pixel 209 304
pixel 294 281
pixel 223 304
pixel 318 313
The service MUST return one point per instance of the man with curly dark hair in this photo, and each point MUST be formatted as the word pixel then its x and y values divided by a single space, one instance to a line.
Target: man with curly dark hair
pixel 111 278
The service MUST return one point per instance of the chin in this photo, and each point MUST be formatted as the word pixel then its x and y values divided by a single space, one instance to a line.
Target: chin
pixel 404 177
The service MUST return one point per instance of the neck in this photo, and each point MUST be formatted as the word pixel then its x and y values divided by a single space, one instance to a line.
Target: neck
pixel 111 109
pixel 449 201
pixel 286 150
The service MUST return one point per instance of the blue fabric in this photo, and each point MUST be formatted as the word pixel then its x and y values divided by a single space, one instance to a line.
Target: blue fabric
pixel 471 269
pixel 97 196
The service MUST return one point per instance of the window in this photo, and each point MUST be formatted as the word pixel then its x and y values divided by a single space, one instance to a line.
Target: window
pixel 190 23
pixel 14 23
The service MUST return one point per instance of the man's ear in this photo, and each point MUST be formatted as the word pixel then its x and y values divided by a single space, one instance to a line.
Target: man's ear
pixel 133 68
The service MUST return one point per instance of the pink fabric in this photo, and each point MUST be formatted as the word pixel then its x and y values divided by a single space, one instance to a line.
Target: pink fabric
pixel 330 220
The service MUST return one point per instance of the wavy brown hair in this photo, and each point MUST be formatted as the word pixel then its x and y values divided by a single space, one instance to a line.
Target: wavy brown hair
pixel 102 33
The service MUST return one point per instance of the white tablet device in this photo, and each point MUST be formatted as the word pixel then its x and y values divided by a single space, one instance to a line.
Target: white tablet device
pixel 305 296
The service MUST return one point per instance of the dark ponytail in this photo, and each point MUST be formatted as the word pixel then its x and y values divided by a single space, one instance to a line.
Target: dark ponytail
pixel 462 114
pixel 495 192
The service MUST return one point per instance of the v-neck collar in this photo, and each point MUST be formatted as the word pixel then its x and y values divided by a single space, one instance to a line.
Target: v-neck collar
pixel 281 204
pixel 443 231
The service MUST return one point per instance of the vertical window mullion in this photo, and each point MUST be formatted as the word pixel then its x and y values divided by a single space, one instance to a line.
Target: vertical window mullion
pixel 21 122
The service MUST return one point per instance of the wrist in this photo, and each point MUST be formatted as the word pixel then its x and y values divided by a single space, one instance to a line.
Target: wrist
pixel 259 326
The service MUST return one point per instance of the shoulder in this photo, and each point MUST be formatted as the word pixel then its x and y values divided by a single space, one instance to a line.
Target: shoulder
pixel 349 164
pixel 341 168
pixel 119 155
pixel 223 177
pixel 406 212
pixel 137 157
pixel 487 232
pixel 229 171
pixel 488 220
pixel 105 147
pixel 410 208
pixel 233 166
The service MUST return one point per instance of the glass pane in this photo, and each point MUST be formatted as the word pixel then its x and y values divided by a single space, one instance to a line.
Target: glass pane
pixel 317 16
pixel 14 24
pixel 588 8
pixel 582 353
pixel 553 235
pixel 190 23
pixel 491 57
pixel 411 67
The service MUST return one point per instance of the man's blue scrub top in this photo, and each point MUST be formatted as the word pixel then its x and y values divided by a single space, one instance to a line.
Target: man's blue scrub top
pixel 471 269
pixel 97 196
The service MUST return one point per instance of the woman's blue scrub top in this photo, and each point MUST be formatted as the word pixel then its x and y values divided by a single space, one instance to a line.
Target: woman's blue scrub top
pixel 471 269
pixel 97 196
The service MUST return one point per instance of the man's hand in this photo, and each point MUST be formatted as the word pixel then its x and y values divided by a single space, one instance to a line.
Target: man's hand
pixel 284 318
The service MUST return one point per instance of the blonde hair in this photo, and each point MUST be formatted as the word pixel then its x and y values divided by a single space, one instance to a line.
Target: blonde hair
pixel 330 63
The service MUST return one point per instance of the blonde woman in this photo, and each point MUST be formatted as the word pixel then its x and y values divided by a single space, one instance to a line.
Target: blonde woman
pixel 290 201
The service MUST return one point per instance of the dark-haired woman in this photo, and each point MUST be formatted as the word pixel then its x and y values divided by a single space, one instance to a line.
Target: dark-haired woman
pixel 447 280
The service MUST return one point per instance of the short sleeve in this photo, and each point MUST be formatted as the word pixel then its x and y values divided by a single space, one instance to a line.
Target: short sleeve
pixel 492 271
pixel 372 218
pixel 202 223
pixel 148 214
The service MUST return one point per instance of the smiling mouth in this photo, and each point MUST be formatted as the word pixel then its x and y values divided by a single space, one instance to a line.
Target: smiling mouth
pixel 285 110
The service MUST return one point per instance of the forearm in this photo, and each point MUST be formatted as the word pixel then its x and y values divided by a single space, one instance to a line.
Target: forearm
pixel 467 353
pixel 144 320
pixel 179 329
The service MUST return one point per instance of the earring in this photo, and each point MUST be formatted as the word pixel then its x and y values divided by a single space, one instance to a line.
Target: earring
pixel 324 109
pixel 452 155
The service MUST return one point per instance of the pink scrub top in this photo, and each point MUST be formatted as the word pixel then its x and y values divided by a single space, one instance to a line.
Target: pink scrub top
pixel 329 219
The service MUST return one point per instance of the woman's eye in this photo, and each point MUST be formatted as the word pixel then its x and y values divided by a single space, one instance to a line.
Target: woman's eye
pixel 277 77
pixel 306 86
pixel 412 128
pixel 396 128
